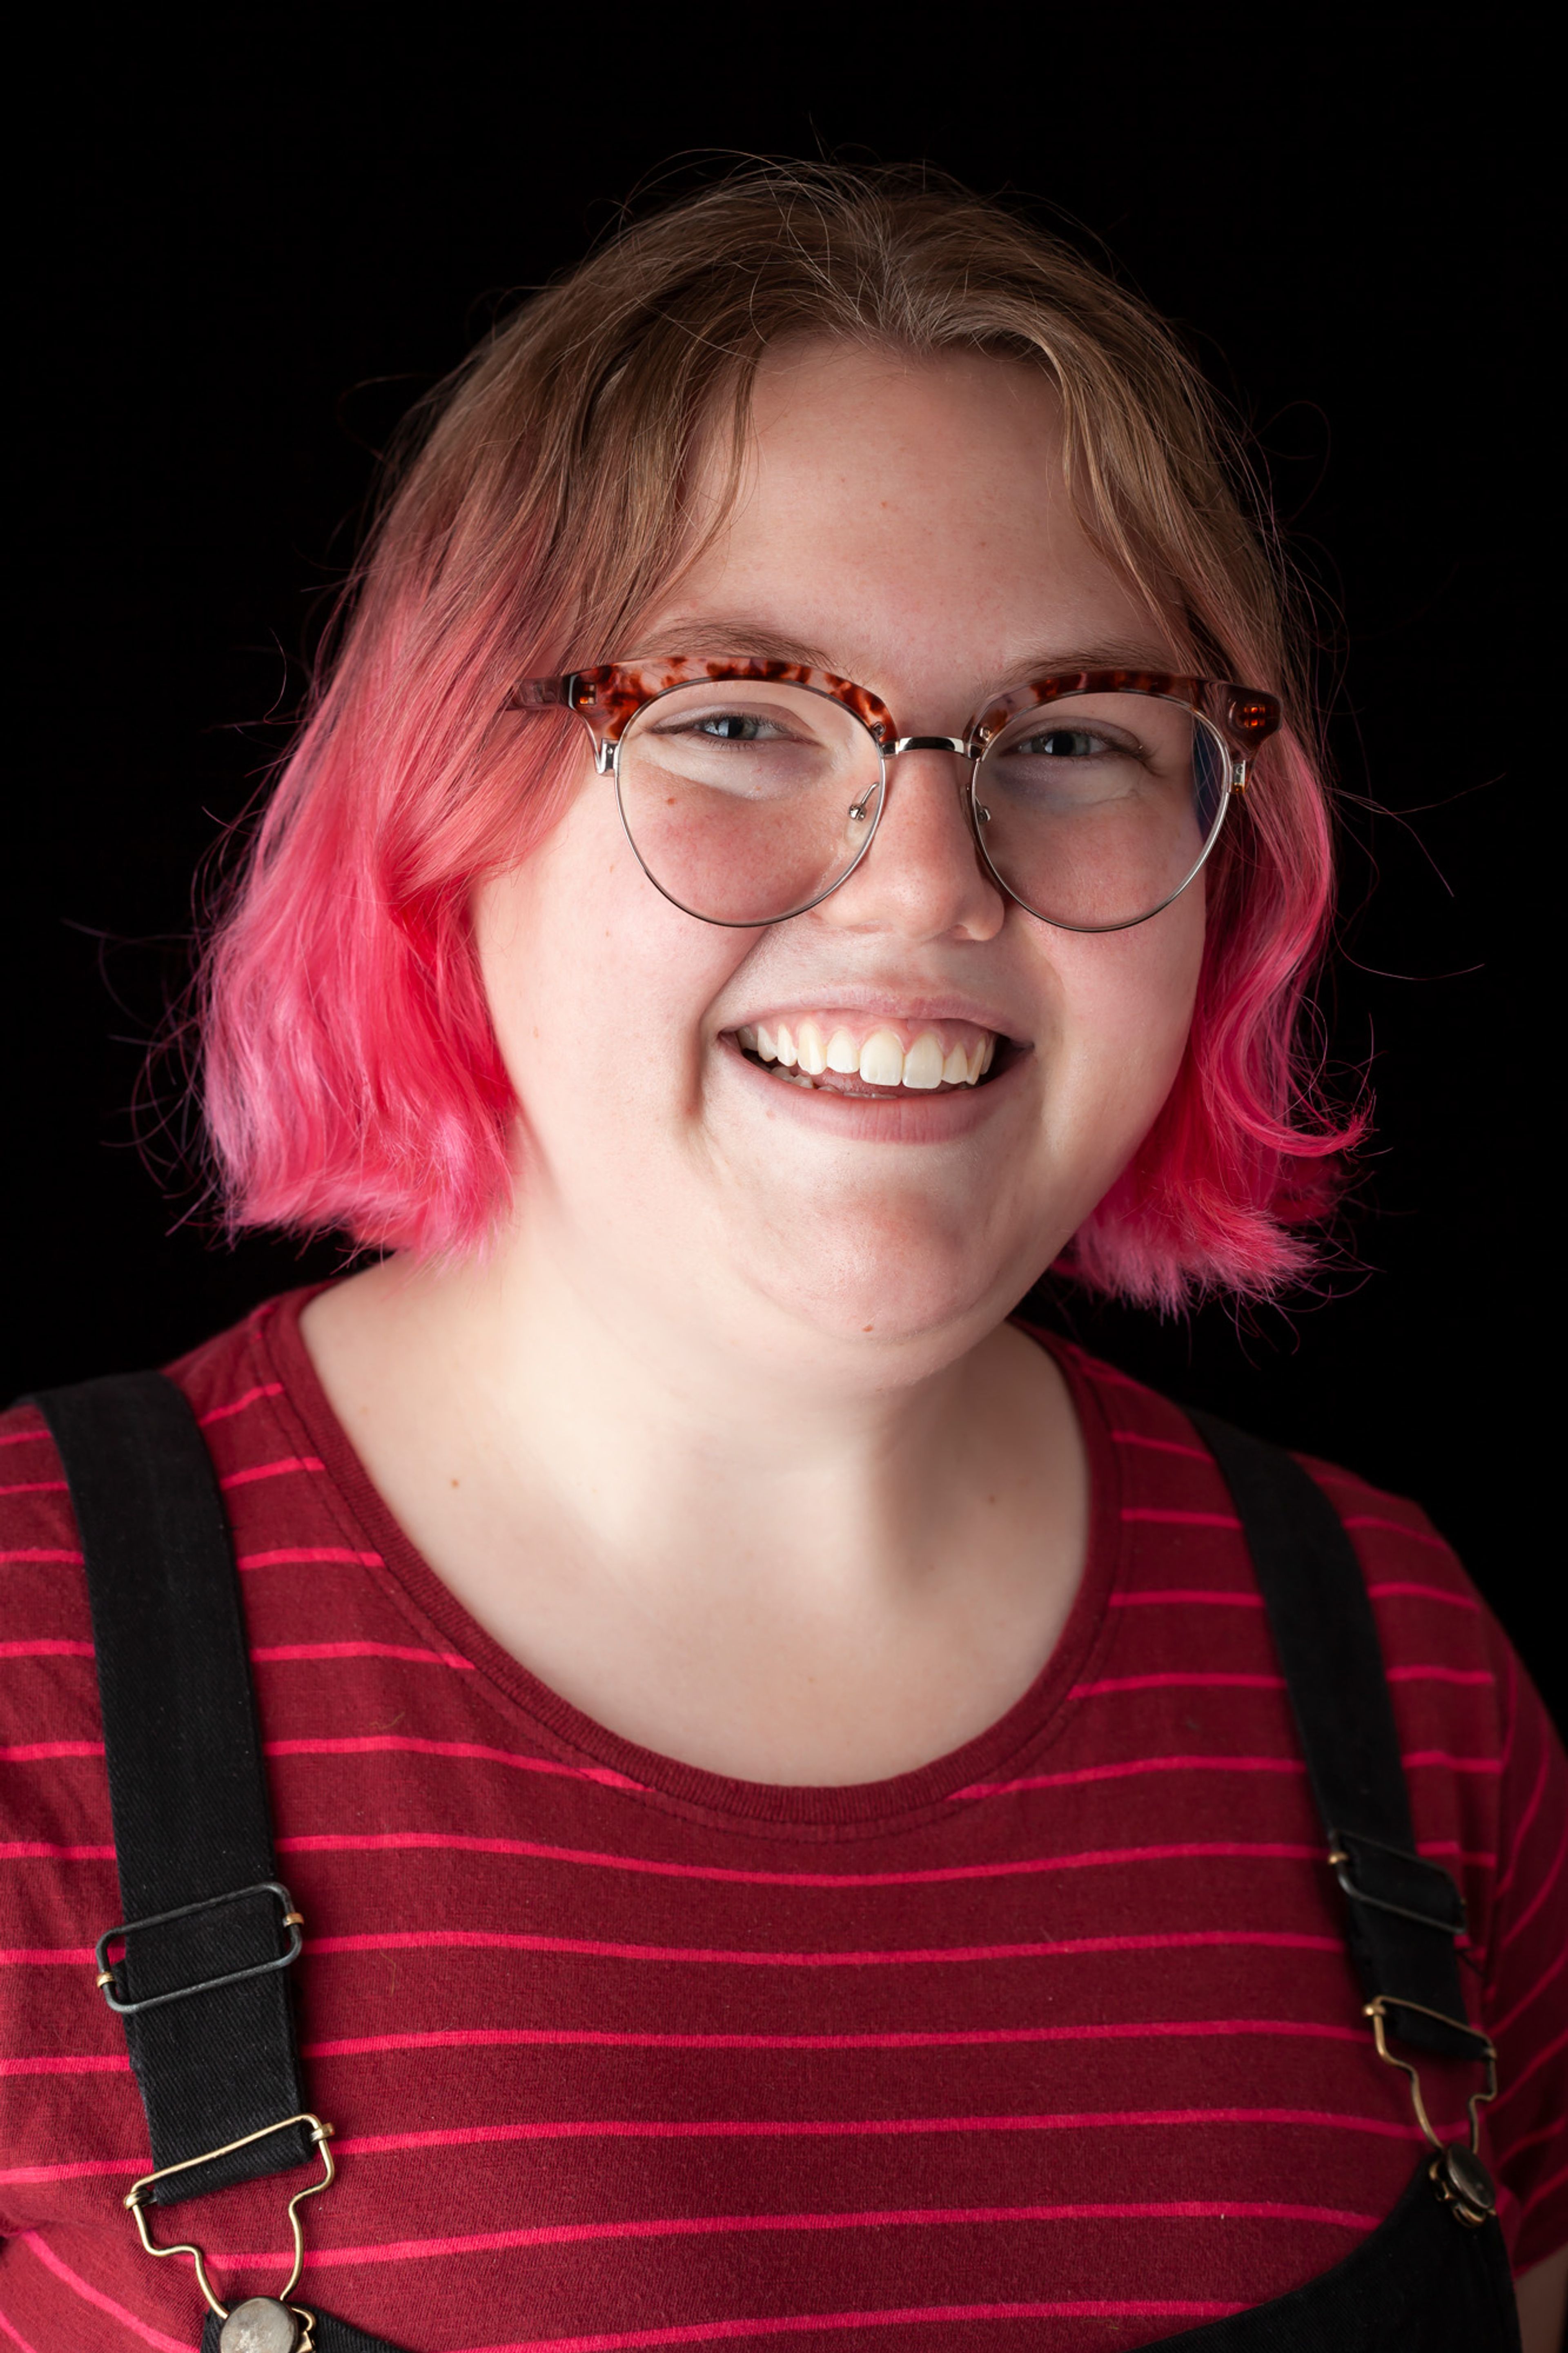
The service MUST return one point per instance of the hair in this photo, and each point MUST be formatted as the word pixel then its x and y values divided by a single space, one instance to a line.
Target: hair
pixel 352 1077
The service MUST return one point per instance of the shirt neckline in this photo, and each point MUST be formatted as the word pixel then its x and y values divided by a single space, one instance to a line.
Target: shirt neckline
pixel 902 1801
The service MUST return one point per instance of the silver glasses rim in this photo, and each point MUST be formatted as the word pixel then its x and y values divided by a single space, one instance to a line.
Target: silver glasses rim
pixel 747 922
pixel 1235 773
pixel 608 762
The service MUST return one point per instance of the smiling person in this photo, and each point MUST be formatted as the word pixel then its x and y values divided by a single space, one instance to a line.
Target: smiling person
pixel 809 1806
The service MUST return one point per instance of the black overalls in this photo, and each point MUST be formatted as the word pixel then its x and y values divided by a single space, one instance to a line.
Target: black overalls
pixel 198 1974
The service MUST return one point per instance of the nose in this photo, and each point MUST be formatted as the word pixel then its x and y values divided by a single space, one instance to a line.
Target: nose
pixel 923 876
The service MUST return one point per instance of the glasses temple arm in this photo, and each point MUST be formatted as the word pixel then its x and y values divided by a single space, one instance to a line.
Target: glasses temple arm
pixel 543 694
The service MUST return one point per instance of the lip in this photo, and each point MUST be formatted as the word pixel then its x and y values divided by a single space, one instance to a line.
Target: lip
pixel 918 1118
pixel 900 1011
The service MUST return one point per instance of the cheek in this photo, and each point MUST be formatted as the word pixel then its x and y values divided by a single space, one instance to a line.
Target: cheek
pixel 1123 1005
pixel 596 985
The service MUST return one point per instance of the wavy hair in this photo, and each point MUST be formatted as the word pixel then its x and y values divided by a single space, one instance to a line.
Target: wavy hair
pixel 352 1078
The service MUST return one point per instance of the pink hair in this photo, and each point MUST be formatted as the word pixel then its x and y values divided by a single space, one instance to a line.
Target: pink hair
pixel 351 1076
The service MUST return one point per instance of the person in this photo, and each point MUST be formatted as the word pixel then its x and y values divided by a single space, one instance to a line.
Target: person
pixel 812 820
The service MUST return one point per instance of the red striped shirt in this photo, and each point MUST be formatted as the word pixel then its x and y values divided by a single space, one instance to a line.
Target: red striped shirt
pixel 1059 2031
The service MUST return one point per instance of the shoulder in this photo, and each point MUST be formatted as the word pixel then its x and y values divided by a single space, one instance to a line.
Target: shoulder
pixel 1411 1570
pixel 1487 1776
pixel 41 1578
pixel 220 1379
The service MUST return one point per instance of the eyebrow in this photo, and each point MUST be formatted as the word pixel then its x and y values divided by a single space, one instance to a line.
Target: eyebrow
pixel 732 636
pixel 724 636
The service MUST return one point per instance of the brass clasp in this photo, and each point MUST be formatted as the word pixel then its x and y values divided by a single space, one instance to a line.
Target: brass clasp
pixel 1377 2010
pixel 1456 2173
pixel 136 2199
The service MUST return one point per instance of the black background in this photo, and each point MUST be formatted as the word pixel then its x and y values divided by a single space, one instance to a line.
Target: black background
pixel 257 239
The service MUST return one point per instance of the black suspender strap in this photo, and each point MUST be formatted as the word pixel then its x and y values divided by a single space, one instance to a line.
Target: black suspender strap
pixel 1405 1913
pixel 201 1992
pixel 198 1970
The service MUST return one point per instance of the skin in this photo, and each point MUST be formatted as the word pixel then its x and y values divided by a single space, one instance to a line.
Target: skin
pixel 727 1440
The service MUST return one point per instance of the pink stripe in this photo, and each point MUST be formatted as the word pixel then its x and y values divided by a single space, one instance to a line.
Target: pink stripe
pixel 14 2333
pixel 1136 1765
pixel 49 1850
pixel 414 1653
pixel 1190 1593
pixel 1390 1589
pixel 88 2063
pixel 21 1954
pixel 21 1437
pixel 364 1743
pixel 36 1487
pixel 1400 1528
pixel 95 2296
pixel 45 1650
pixel 708 2332
pixel 463 2037
pixel 83 2168
pixel 1176 1682
pixel 1551 2130
pixel 1452 1764
pixel 1440 1675
pixel 405 1940
pixel 1480 1859
pixel 222 1412
pixel 1499 2027
pixel 42 1552
pixel 1542 2059
pixel 1158 1445
pixel 1548 2189
pixel 696 2226
pixel 272 1470
pixel 462 1842
pixel 1510 1711
pixel 290 1554
pixel 874 2128
pixel 1540 1897
pixel 1532 1806
pixel 1166 1519
pixel 35 1752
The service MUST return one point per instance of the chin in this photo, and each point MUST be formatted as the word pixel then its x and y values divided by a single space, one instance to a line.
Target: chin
pixel 893 1281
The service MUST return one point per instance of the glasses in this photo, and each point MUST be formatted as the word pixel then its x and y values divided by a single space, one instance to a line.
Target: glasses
pixel 750 789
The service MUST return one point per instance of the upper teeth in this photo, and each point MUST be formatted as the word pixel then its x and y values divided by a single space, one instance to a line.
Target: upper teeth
pixel 881 1060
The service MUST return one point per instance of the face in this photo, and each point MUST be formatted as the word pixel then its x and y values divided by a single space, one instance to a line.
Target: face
pixel 906 524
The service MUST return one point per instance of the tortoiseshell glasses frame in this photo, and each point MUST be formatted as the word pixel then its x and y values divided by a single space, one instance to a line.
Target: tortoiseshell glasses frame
pixel 1233 722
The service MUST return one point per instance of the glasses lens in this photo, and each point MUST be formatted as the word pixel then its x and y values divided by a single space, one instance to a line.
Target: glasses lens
pixel 1096 810
pixel 745 802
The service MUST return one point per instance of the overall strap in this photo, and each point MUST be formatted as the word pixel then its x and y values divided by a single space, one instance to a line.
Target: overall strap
pixel 209 1929
pixel 1405 1913
pixel 201 1991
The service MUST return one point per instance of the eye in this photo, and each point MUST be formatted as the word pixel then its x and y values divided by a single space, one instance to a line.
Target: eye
pixel 734 727
pixel 1064 744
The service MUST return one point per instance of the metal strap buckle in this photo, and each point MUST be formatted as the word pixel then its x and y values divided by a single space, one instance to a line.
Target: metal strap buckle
pixel 1343 1863
pixel 292 1920
pixel 136 2199
pixel 1468 2189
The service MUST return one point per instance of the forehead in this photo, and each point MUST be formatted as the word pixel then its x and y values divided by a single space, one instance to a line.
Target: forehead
pixel 904 512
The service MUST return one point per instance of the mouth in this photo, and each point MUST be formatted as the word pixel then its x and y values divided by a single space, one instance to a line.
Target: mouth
pixel 844 1055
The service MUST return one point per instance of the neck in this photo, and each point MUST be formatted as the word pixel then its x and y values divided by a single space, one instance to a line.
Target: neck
pixel 565 1446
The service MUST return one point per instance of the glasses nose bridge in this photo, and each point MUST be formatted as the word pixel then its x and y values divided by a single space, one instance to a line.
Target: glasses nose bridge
pixel 958 743
pixel 962 747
